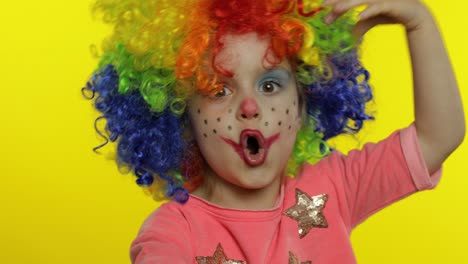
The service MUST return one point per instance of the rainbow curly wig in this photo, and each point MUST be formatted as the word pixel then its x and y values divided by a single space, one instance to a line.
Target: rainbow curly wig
pixel 160 52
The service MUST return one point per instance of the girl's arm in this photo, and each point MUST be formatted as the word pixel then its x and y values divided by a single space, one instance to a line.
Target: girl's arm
pixel 438 109
pixel 439 117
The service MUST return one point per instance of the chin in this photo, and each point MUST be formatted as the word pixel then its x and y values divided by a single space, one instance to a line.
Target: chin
pixel 254 178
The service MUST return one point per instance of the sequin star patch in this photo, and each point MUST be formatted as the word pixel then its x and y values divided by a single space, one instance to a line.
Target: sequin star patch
pixel 308 212
pixel 218 258
pixel 293 259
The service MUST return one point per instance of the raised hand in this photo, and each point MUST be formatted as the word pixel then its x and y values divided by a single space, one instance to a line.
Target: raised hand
pixel 409 13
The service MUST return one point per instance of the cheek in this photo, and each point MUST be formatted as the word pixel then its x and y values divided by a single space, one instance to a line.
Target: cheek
pixel 209 125
pixel 282 117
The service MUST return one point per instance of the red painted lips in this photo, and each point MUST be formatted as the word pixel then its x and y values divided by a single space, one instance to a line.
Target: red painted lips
pixel 252 146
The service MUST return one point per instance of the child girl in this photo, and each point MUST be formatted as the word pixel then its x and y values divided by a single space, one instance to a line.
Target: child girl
pixel 214 102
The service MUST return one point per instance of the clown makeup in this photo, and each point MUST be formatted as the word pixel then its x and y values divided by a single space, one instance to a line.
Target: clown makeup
pixel 247 129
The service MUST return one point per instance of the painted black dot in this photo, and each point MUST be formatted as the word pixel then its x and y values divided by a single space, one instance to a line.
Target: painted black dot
pixel 229 127
pixel 289 127
pixel 287 111
pixel 205 135
pixel 266 123
pixel 272 109
pixel 219 119
pixel 294 103
pixel 214 131
pixel 198 111
pixel 206 122
pixel 279 123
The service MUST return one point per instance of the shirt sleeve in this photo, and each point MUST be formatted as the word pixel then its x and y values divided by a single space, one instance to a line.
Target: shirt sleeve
pixel 163 238
pixel 380 174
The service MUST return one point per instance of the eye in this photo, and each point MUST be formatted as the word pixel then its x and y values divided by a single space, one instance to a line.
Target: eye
pixel 221 92
pixel 269 86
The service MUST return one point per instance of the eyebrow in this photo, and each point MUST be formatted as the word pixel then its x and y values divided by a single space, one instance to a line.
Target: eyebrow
pixel 277 70
pixel 282 71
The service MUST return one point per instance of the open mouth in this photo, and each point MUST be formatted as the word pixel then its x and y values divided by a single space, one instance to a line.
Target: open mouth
pixel 252 147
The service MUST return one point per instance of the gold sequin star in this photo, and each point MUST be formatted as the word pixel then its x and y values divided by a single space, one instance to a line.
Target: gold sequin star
pixel 293 259
pixel 218 258
pixel 308 212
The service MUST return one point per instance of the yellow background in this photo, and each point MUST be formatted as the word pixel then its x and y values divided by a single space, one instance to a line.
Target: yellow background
pixel 61 203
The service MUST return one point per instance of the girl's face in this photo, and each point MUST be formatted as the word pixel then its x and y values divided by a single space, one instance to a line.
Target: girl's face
pixel 247 130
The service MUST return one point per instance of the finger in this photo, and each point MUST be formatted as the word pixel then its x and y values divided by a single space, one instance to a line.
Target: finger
pixel 328 2
pixel 372 11
pixel 341 7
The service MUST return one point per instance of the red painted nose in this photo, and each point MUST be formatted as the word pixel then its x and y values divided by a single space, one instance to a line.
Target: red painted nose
pixel 248 109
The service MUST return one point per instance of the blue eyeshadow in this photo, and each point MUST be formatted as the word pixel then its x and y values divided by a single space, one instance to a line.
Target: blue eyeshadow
pixel 280 75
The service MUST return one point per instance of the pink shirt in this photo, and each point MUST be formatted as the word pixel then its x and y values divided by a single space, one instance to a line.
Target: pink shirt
pixel 312 220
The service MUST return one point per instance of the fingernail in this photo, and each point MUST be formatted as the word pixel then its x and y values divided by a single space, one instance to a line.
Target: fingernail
pixel 328 19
